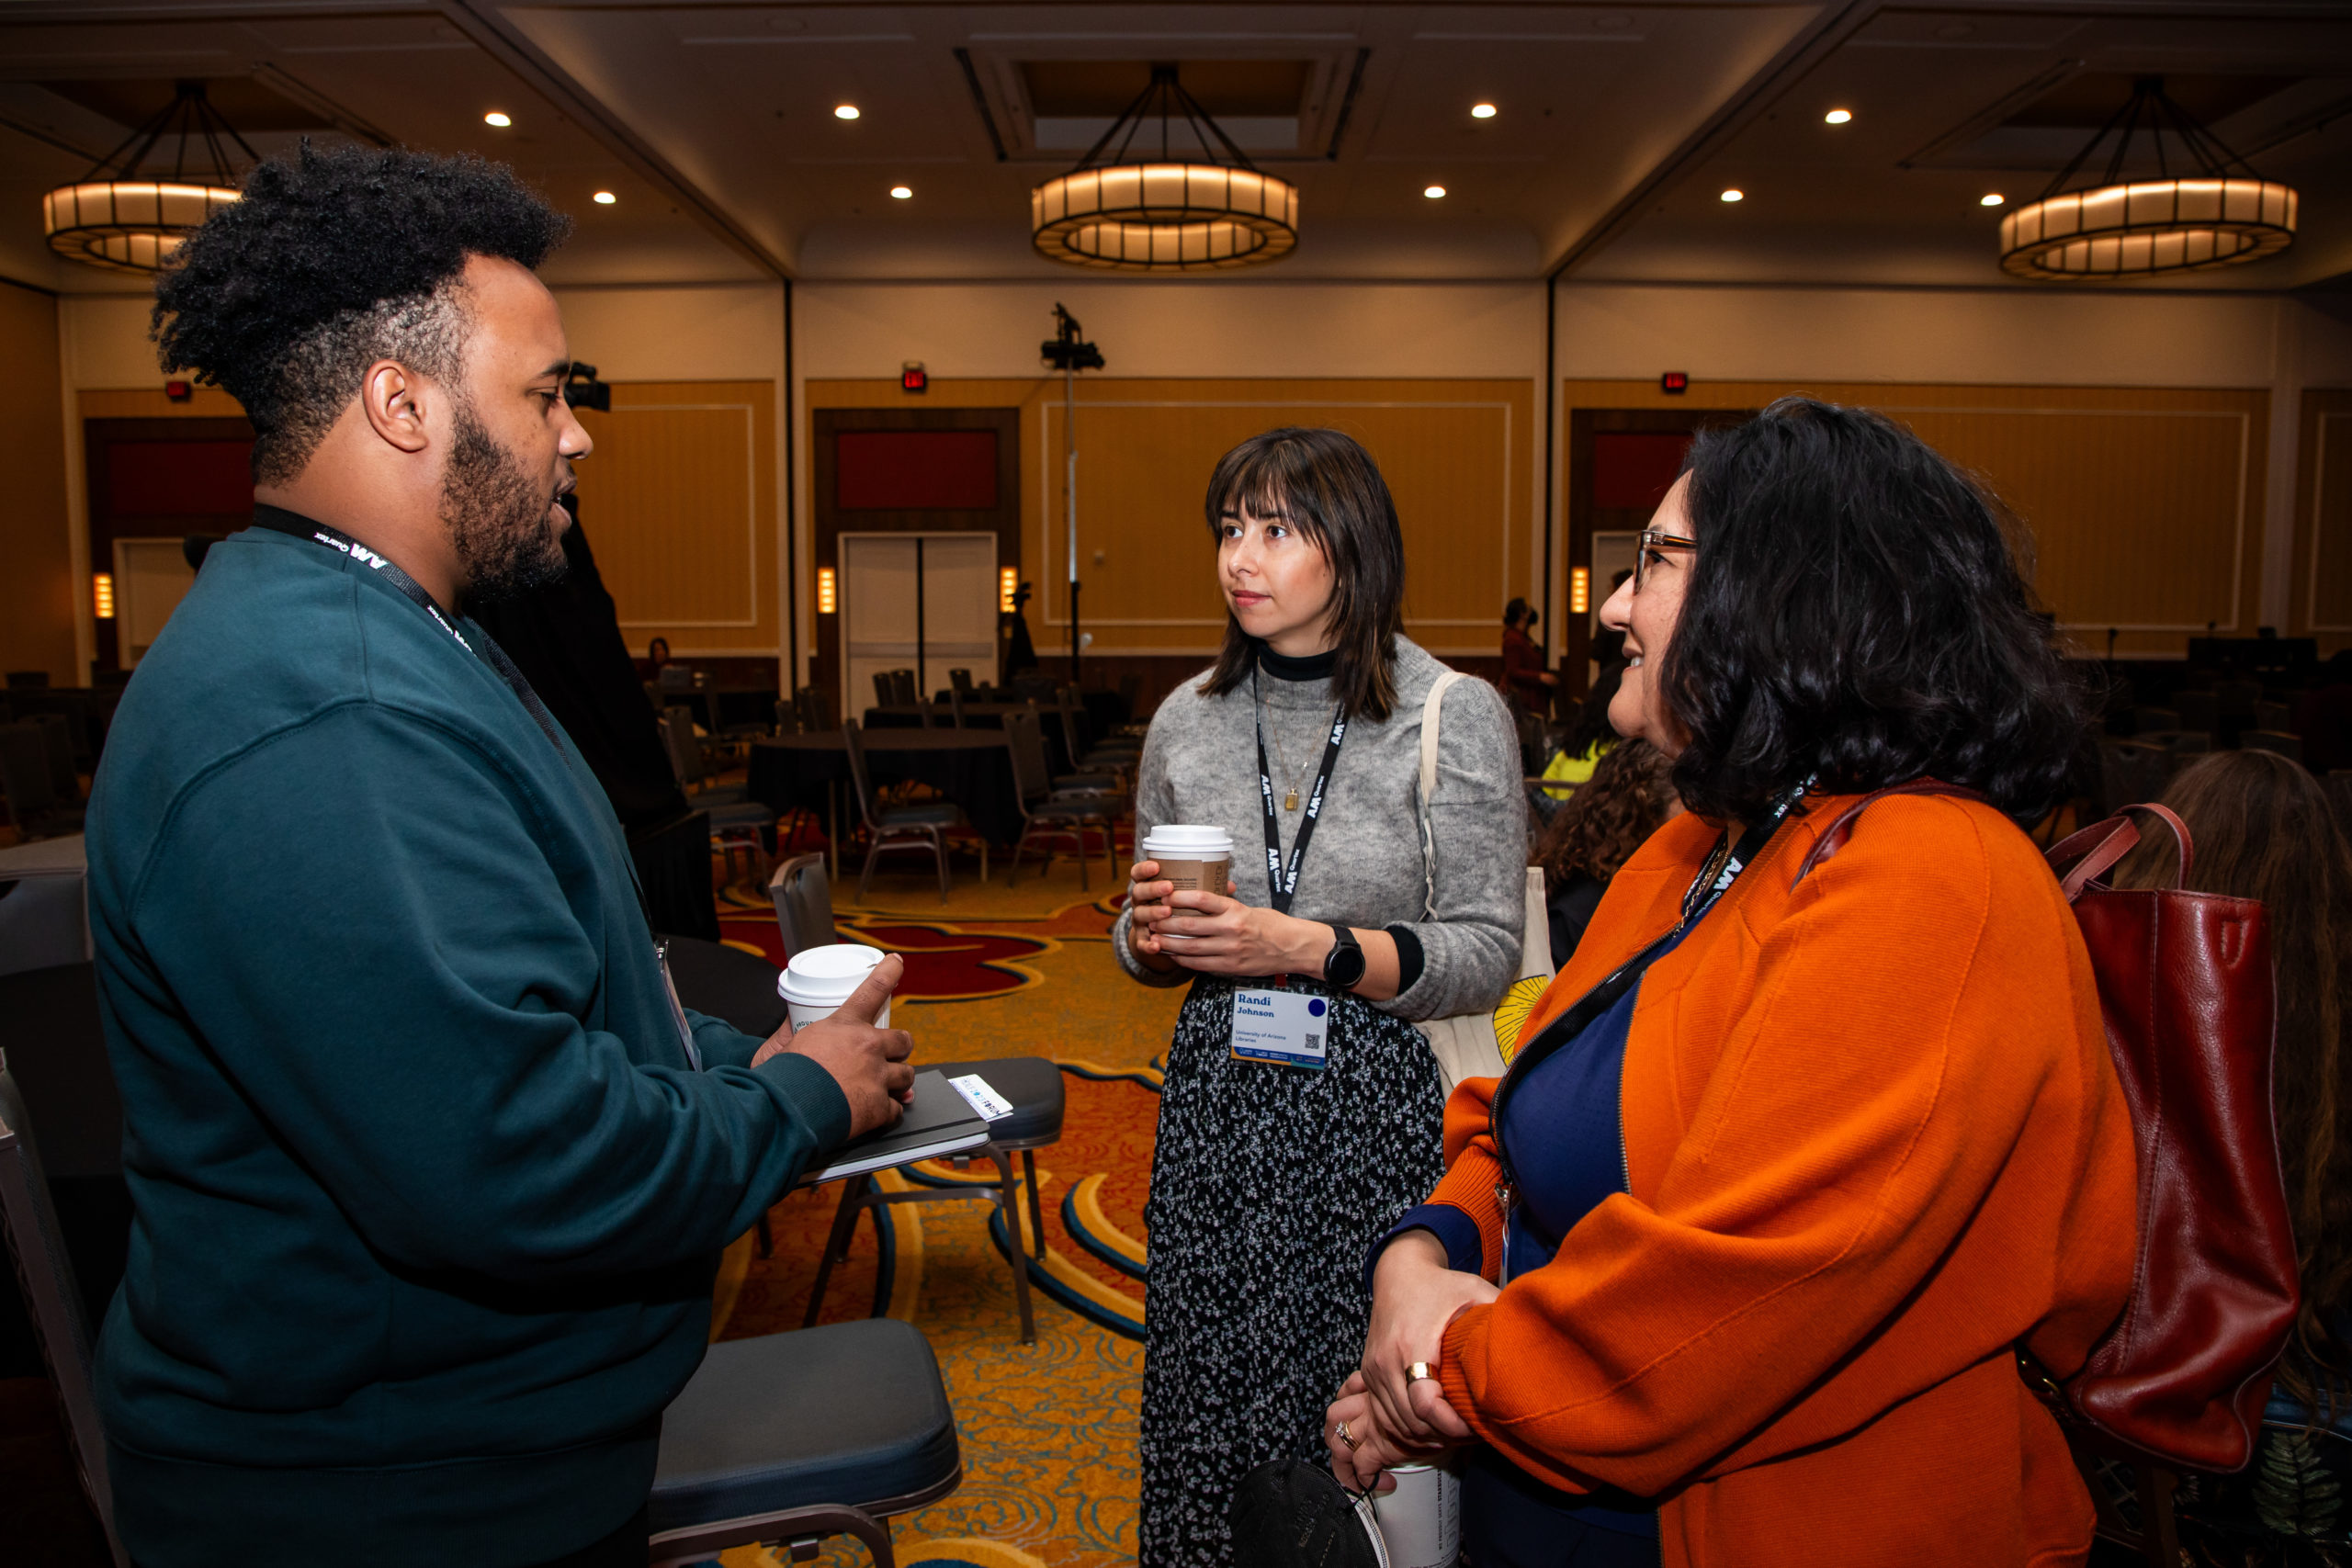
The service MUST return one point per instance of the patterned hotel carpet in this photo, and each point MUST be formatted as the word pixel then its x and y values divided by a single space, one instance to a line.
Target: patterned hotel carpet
pixel 1047 1430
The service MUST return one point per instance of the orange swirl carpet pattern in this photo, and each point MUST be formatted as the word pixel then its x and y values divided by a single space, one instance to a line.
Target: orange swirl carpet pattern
pixel 1049 1430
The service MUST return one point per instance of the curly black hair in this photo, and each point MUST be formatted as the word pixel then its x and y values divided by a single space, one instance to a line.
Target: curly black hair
pixel 1856 612
pixel 331 260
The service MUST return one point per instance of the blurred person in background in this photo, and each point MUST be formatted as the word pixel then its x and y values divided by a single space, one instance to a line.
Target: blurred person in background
pixel 1524 678
pixel 2260 827
pixel 1630 796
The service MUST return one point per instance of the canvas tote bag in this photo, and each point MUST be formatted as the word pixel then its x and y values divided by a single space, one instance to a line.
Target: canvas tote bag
pixel 1466 1044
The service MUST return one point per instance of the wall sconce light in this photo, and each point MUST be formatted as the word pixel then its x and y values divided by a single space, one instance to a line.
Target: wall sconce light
pixel 1581 590
pixel 827 603
pixel 102 595
pixel 1008 585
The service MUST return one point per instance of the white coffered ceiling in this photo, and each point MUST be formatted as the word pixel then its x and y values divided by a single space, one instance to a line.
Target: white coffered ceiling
pixel 1618 125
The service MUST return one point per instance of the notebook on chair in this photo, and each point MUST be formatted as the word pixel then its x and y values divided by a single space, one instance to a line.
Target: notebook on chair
pixel 940 1121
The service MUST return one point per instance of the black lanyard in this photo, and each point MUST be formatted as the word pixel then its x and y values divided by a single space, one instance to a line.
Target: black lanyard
pixel 279 520
pixel 1281 882
pixel 1726 867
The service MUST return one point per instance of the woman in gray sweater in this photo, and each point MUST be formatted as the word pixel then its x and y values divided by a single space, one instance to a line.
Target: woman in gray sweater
pixel 1271 1178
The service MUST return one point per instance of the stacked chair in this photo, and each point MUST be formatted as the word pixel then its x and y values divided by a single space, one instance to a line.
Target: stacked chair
pixel 1066 806
pixel 803 913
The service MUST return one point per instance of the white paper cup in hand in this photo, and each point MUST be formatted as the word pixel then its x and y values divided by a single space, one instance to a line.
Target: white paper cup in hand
pixel 1421 1522
pixel 1196 858
pixel 819 979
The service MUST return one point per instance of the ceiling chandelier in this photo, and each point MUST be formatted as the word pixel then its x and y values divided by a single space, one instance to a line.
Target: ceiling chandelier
pixel 120 219
pixel 1171 212
pixel 2213 217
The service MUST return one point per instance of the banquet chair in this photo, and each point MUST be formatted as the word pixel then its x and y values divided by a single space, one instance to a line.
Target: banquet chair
pixel 892 827
pixel 742 1461
pixel 1056 811
pixel 956 705
pixel 902 688
pixel 883 693
pixel 738 823
pixel 961 683
pixel 1085 754
pixel 52 1301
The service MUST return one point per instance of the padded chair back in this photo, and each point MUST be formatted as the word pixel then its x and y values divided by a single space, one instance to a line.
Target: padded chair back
pixel 2198 710
pixel 787 718
pixel 2279 716
pixel 685 751
pixel 25 773
pixel 52 1299
pixel 675 678
pixel 853 747
pixel 2238 697
pixel 1131 694
pixel 804 904
pixel 902 688
pixel 955 703
pixel 884 694
pixel 2288 746
pixel 1033 780
pixel 1075 738
pixel 961 683
pixel 2150 721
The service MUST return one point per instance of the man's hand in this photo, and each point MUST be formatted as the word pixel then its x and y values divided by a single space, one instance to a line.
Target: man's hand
pixel 869 1064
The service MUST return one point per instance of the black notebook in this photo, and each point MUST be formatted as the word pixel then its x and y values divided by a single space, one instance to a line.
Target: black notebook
pixel 940 1121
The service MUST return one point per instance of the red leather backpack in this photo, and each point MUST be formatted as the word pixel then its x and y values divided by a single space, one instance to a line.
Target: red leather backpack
pixel 2187 993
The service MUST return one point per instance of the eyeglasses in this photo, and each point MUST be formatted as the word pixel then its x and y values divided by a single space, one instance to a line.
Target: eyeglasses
pixel 1655 542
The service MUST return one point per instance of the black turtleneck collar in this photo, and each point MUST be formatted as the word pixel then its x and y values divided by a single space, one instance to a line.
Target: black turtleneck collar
pixel 1282 667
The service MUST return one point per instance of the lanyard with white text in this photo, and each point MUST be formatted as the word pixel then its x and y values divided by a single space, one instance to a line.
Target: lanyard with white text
pixel 1281 882
pixel 279 520
pixel 1723 867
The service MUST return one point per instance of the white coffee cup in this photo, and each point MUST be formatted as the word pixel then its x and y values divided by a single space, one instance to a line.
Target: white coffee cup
pixel 819 979
pixel 1197 859
pixel 1421 1522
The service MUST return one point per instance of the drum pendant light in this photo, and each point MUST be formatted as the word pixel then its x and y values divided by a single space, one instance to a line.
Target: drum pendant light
pixel 2222 214
pixel 1124 209
pixel 122 218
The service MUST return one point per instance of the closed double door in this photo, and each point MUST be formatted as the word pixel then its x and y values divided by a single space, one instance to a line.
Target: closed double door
pixel 921 602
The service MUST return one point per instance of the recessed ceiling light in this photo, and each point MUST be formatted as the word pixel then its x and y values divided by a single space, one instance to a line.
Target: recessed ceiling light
pixel 605 198
pixel 1837 117
pixel 499 118
pixel 1734 196
pixel 1991 198
pixel 1433 192
pixel 846 111
pixel 1482 111
pixel 900 192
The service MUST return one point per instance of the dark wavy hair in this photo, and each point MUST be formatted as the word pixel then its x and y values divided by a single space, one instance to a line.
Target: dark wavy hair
pixel 330 261
pixel 2263 829
pixel 1855 611
pixel 1611 813
pixel 1326 485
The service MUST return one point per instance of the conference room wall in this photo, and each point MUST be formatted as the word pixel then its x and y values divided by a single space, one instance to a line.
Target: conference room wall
pixel 38 583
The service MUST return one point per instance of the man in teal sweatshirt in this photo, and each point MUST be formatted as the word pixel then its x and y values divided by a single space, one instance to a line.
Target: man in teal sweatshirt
pixel 430 1172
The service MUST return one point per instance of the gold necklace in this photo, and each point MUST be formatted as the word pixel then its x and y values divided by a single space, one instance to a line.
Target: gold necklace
pixel 1289 799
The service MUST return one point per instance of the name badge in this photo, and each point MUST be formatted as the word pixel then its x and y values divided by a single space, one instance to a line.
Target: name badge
pixel 1288 1026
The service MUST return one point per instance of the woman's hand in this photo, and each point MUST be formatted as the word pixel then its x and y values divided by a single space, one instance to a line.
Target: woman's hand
pixel 1225 936
pixel 1147 907
pixel 1369 1447
pixel 1414 1297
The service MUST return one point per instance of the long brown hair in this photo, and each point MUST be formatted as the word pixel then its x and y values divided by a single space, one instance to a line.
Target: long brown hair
pixel 1327 486
pixel 2261 829
pixel 1629 796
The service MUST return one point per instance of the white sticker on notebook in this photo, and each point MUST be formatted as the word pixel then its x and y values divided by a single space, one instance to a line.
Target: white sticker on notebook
pixel 1288 1026
pixel 985 1101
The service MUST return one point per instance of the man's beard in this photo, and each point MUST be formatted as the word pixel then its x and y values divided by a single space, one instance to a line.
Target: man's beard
pixel 498 516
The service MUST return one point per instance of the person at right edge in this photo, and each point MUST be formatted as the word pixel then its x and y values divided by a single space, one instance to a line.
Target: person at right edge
pixel 430 1171
pixel 1269 1177
pixel 1730 1270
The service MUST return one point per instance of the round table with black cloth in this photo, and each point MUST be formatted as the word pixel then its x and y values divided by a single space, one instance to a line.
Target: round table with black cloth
pixel 979 716
pixel 727 983
pixel 971 767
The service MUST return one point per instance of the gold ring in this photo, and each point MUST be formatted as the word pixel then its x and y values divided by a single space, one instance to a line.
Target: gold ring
pixel 1341 1431
pixel 1418 1373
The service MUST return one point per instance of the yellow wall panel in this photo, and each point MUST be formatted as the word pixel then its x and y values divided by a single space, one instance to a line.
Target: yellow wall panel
pixel 679 504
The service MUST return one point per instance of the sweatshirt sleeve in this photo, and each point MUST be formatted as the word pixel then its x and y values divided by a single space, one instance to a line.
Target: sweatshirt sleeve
pixel 1155 803
pixel 395 987
pixel 1863 1109
pixel 1471 945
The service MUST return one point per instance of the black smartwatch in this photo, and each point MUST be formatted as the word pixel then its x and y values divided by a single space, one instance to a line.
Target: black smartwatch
pixel 1344 966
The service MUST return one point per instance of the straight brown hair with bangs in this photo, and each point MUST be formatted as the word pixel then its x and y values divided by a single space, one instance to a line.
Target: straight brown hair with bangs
pixel 1327 486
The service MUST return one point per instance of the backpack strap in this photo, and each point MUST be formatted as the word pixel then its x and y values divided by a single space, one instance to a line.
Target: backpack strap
pixel 1428 787
pixel 1833 838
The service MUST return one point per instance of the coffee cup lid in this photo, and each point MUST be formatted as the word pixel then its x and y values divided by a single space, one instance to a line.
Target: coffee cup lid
pixel 1188 840
pixel 827 975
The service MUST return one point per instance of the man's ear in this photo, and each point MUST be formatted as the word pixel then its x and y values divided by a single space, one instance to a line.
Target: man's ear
pixel 390 399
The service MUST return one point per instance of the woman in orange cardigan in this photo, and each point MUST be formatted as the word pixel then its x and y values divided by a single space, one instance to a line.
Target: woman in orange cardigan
pixel 1731 1267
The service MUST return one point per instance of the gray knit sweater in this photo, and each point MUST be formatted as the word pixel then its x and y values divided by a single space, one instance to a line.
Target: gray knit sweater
pixel 1363 867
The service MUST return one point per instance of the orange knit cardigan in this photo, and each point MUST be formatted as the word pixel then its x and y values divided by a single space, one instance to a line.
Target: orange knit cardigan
pixel 1874 1141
